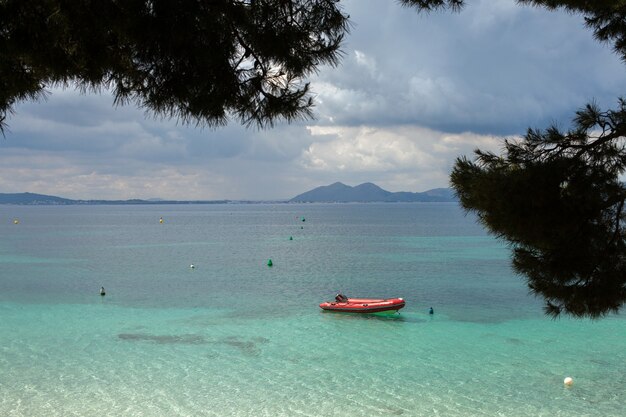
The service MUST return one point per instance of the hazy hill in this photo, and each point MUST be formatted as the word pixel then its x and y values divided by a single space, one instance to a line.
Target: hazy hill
pixel 41 199
pixel 368 192
pixel 32 199
pixel 337 192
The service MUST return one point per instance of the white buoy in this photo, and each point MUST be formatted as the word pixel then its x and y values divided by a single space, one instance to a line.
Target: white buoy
pixel 568 382
pixel 192 266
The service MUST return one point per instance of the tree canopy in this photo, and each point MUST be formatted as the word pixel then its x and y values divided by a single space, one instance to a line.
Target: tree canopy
pixel 558 197
pixel 195 60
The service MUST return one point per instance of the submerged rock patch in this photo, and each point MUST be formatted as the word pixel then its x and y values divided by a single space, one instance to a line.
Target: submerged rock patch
pixel 247 347
pixel 185 339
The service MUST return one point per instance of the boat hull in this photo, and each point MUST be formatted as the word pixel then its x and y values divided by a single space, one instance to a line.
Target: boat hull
pixel 364 305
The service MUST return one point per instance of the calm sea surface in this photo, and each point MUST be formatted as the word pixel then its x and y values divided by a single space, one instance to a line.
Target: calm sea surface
pixel 234 337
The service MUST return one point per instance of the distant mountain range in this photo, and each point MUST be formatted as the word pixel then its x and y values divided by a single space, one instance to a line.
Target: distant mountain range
pixel 368 192
pixel 41 199
pixel 335 193
pixel 32 199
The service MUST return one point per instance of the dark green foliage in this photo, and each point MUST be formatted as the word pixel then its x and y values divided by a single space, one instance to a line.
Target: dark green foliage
pixel 558 200
pixel 556 197
pixel 432 5
pixel 196 60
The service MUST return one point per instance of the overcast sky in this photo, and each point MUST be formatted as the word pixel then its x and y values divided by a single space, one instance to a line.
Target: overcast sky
pixel 412 93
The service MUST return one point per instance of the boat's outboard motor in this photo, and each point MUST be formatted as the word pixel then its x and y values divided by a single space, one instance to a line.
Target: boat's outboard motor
pixel 341 298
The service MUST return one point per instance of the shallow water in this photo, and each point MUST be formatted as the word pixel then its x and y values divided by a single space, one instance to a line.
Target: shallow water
pixel 234 337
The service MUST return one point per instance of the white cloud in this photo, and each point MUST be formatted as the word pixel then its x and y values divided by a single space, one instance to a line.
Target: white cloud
pixel 65 175
pixel 368 62
pixel 410 154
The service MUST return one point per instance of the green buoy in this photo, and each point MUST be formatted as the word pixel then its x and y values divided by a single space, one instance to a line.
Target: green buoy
pixel 290 237
pixel 270 263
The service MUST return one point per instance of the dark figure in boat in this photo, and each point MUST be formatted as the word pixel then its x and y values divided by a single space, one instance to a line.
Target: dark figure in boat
pixel 341 298
pixel 363 305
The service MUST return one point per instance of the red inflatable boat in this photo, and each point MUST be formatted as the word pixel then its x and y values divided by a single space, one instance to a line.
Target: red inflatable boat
pixel 363 305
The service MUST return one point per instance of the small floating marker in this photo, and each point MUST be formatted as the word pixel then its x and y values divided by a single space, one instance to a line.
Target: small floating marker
pixel 16 221
pixel 102 291
pixel 192 266
pixel 161 220
pixel 270 263
pixel 431 311
pixel 301 227
pixel 290 237
pixel 303 219
pixel 568 381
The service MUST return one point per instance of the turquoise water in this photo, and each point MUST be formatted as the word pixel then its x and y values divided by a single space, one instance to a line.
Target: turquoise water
pixel 233 337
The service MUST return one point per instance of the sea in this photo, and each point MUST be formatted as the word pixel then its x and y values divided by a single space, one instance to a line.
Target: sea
pixel 232 336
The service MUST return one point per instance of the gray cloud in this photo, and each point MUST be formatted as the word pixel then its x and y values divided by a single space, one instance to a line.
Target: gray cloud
pixel 413 92
pixel 494 68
